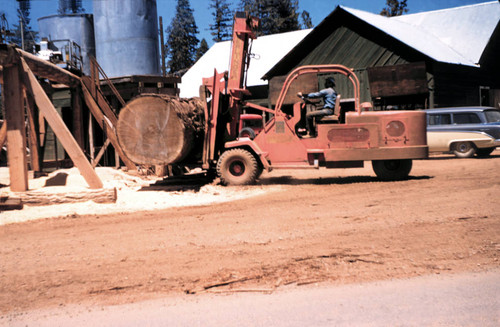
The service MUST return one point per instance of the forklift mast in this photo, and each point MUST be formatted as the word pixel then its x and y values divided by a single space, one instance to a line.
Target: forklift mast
pixel 220 114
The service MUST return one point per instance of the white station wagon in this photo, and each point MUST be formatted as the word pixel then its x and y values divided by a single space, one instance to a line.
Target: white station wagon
pixel 464 131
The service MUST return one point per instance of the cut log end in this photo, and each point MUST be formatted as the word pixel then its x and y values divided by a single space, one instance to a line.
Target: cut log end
pixel 158 130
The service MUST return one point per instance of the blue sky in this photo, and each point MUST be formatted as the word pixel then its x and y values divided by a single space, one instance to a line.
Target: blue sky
pixel 318 9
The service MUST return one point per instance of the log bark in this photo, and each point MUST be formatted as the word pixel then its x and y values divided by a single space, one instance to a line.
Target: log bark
pixel 37 198
pixel 159 130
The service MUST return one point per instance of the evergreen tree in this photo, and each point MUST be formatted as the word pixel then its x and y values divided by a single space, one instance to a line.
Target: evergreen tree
pixel 250 6
pixel 182 42
pixel 70 7
pixel 201 49
pixel 221 30
pixel 394 8
pixel 276 16
pixel 306 20
pixel 24 32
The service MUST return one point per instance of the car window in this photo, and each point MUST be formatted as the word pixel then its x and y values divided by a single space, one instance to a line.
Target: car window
pixel 439 119
pixel 466 118
pixel 492 116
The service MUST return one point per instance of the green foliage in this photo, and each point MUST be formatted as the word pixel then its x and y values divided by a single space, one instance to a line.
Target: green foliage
pixel 221 30
pixel 394 8
pixel 70 7
pixel 182 42
pixel 201 49
pixel 306 20
pixel 276 16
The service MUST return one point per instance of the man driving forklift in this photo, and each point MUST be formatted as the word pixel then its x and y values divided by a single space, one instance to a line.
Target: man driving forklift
pixel 329 96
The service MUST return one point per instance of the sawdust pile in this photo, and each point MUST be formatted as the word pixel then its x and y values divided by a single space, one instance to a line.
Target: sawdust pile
pixel 134 193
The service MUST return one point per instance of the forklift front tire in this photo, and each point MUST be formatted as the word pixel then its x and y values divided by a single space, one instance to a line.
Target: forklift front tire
pixel 237 167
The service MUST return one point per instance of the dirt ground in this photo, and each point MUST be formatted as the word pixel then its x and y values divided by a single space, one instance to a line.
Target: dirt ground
pixel 301 227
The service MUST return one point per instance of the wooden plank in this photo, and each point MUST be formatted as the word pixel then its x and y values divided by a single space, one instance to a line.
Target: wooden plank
pixel 16 131
pixel 60 129
pixel 105 125
pixel 10 204
pixel 41 198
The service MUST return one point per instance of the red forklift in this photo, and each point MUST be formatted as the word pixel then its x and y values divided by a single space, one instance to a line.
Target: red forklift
pixel 239 154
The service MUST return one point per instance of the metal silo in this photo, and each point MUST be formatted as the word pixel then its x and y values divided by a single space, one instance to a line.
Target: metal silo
pixel 78 28
pixel 127 37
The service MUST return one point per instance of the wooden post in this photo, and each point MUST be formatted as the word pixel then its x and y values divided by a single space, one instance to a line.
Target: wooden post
pixel 36 163
pixel 3 134
pixel 60 130
pixel 91 140
pixel 76 104
pixel 16 131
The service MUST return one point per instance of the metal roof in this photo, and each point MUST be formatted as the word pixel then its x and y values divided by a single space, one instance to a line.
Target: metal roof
pixel 267 51
pixel 465 30
pixel 456 35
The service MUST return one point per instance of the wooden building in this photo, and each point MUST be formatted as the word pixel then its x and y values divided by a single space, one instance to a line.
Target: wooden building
pixel 432 59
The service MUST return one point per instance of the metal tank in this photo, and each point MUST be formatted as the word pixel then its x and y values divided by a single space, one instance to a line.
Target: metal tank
pixel 78 28
pixel 127 37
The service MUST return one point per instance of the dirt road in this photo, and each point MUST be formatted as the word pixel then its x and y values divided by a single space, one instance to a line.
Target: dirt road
pixel 331 226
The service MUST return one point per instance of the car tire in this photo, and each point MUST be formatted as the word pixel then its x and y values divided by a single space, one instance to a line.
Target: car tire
pixel 484 152
pixel 392 170
pixel 237 167
pixel 463 149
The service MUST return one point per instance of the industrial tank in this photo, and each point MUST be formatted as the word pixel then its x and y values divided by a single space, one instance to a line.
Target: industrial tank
pixel 78 28
pixel 127 37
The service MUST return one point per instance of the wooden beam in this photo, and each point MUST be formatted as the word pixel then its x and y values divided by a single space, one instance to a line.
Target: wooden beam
pixel 100 100
pixel 46 69
pixel 107 126
pixel 101 153
pixel 60 130
pixel 16 131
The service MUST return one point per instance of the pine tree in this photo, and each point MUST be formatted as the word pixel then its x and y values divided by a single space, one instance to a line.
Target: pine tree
pixel 70 7
pixel 201 49
pixel 221 30
pixel 250 6
pixel 28 35
pixel 182 42
pixel 306 20
pixel 394 8
pixel 276 16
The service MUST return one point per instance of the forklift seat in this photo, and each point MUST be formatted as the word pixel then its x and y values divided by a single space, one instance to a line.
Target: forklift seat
pixel 332 118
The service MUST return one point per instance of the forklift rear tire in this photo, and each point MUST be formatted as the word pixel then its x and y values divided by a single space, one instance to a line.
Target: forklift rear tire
pixel 392 170
pixel 237 167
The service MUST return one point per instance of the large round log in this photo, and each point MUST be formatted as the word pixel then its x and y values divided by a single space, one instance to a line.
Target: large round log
pixel 159 130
